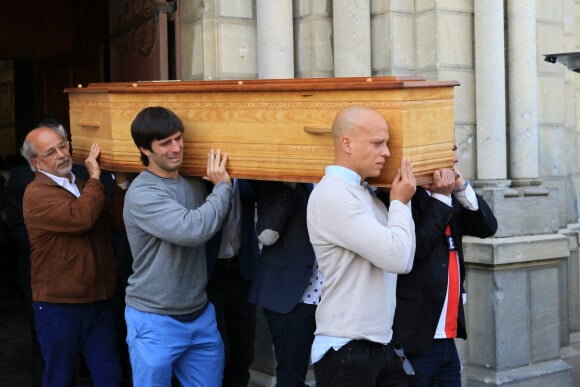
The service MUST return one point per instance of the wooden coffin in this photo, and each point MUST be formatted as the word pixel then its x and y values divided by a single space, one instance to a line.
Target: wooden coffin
pixel 271 129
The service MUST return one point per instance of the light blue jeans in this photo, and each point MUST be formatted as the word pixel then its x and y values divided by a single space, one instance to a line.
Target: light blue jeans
pixel 160 346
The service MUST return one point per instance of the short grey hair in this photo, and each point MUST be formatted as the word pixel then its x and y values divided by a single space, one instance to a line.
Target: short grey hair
pixel 28 151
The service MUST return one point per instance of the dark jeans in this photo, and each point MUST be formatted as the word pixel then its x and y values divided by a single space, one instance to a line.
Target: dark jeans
pixel 67 331
pixel 292 335
pixel 236 320
pixel 439 366
pixel 360 363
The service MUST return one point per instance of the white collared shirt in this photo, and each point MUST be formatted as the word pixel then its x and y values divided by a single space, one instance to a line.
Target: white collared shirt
pixel 65 183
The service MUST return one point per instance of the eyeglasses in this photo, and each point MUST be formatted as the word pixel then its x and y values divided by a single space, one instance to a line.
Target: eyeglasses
pixel 407 366
pixel 52 153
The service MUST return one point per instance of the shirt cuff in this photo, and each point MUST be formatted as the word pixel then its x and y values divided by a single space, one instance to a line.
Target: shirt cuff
pixel 467 198
pixel 124 185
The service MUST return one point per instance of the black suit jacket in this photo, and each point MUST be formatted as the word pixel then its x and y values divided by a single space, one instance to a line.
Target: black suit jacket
pixel 421 293
pixel 286 266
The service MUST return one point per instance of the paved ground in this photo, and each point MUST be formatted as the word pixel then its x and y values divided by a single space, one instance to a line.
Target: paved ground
pixel 572 356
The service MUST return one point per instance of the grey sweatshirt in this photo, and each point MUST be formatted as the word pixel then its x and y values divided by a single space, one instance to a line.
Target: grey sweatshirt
pixel 168 222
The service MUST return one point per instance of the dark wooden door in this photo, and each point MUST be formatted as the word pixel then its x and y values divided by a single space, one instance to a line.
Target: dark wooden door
pixel 142 44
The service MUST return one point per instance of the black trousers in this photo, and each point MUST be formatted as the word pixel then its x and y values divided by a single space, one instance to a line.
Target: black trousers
pixel 236 320
pixel 360 363
pixel 292 335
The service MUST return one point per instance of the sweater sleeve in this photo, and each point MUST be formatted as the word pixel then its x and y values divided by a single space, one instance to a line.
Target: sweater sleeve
pixel 359 223
pixel 157 212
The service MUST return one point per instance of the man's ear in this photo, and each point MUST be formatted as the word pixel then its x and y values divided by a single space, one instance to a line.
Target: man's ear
pixel 146 152
pixel 346 144
pixel 36 163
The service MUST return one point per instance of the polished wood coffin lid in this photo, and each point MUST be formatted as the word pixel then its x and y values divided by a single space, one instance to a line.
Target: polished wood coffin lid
pixel 275 129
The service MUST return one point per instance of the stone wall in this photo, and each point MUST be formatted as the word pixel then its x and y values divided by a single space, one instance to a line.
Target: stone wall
pixel 516 132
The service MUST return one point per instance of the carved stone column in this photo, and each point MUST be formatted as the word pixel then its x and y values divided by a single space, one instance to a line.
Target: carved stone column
pixel 275 39
pixel 352 38
pixel 490 90
pixel 523 90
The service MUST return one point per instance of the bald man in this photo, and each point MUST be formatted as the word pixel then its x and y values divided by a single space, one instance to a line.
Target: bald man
pixel 360 247
pixel 73 272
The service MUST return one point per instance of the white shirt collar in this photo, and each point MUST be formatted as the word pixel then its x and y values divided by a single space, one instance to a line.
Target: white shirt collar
pixel 65 183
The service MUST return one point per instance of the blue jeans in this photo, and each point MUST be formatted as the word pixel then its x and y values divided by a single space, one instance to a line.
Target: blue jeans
pixel 439 366
pixel 292 336
pixel 67 331
pixel 160 346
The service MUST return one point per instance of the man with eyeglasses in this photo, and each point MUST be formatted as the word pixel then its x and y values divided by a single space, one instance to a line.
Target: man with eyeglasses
pixel 18 179
pixel 73 273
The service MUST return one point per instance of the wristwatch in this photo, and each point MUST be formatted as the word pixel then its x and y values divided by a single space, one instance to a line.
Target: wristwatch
pixel 463 187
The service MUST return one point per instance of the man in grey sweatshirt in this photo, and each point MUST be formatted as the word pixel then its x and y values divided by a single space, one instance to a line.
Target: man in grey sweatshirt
pixel 171 326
